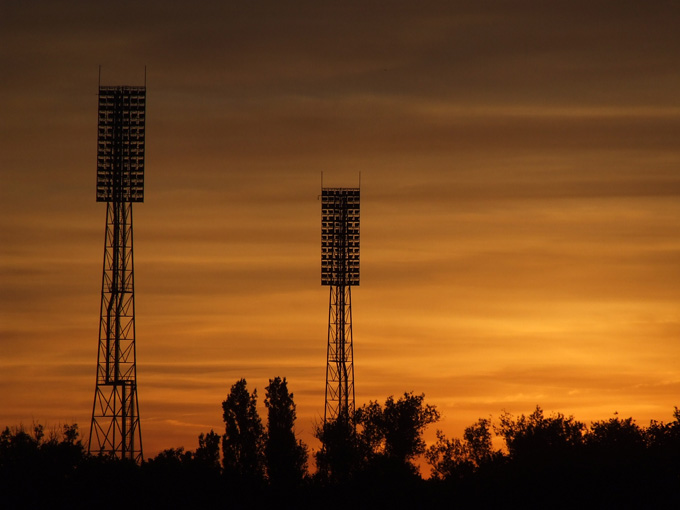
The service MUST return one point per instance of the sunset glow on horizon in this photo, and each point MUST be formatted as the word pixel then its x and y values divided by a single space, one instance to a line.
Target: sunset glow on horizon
pixel 520 205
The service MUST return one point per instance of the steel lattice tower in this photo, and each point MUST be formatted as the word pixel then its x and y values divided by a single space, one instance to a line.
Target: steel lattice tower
pixel 115 428
pixel 340 271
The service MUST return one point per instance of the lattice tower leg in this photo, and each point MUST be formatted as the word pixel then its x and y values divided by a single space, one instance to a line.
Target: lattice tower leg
pixel 340 355
pixel 115 428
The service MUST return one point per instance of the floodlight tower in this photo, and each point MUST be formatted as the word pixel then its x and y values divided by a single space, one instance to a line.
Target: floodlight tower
pixel 340 271
pixel 115 428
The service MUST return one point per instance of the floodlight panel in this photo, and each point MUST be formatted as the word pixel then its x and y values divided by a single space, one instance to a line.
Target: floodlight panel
pixel 340 236
pixel 120 144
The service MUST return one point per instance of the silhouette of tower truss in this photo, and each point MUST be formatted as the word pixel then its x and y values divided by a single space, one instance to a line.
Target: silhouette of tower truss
pixel 115 428
pixel 340 271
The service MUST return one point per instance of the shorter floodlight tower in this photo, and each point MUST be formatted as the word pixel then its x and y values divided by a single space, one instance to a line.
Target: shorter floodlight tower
pixel 340 271
pixel 115 429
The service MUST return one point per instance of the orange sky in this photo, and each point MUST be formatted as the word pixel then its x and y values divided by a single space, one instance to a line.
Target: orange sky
pixel 520 173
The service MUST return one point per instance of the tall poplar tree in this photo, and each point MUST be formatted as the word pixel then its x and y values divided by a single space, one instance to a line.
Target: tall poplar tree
pixel 244 437
pixel 286 457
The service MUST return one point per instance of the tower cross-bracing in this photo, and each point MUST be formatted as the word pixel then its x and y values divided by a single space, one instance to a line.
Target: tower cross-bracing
pixel 115 428
pixel 340 271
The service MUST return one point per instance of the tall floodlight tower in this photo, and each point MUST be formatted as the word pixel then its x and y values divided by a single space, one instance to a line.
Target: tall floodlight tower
pixel 115 426
pixel 340 271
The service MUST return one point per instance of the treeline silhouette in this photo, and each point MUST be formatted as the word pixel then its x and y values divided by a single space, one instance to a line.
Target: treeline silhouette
pixel 365 460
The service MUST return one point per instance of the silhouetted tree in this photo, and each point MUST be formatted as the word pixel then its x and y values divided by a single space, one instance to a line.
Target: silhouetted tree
pixel 286 457
pixel 38 466
pixel 376 441
pixel 537 438
pixel 545 457
pixel 175 479
pixel 341 455
pixel 663 439
pixel 455 459
pixel 448 458
pixel 243 440
pixel 617 459
pixel 623 438
pixel 208 452
pixel 17 447
pixel 172 457
pixel 395 431
pixel 663 454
